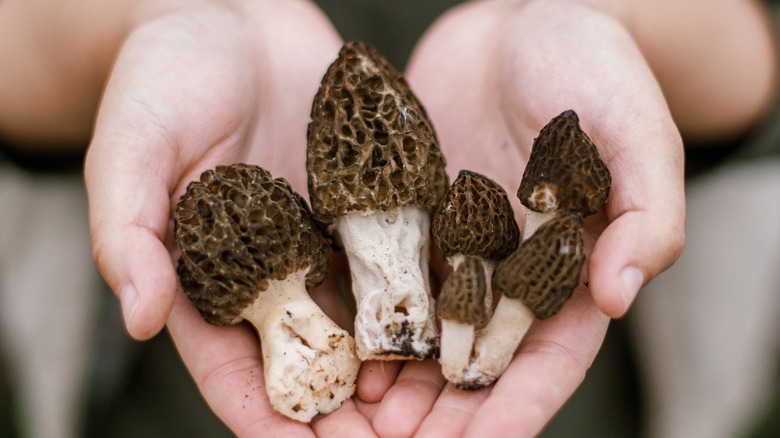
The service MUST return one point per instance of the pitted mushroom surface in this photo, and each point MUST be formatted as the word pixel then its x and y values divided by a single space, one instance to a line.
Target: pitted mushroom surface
pixel 545 269
pixel 564 172
pixel 475 218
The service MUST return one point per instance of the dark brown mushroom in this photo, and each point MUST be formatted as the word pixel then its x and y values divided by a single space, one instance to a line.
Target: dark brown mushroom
pixel 249 249
pixel 475 224
pixel 546 268
pixel 475 218
pixel 564 172
pixel 375 172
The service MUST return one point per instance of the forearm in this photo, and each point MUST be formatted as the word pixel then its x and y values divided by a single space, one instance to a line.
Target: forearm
pixel 715 61
pixel 56 56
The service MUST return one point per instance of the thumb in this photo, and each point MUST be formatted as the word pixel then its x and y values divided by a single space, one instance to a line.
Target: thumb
pixel 127 173
pixel 646 214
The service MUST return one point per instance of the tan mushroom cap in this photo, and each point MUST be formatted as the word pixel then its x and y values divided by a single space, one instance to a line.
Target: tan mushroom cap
pixel 371 145
pixel 238 228
pixel 545 269
pixel 462 296
pixel 564 171
pixel 475 218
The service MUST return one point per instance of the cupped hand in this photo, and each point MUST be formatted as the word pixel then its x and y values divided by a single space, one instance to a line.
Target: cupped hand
pixel 491 74
pixel 194 86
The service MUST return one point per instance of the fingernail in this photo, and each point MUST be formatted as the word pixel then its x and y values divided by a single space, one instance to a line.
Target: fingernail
pixel 128 298
pixel 631 279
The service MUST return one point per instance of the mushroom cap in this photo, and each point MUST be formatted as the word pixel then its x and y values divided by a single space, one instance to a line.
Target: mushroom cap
pixel 462 296
pixel 371 145
pixel 475 218
pixel 564 171
pixel 238 228
pixel 545 269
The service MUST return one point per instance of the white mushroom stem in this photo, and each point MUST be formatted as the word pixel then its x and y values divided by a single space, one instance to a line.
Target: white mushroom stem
pixel 388 254
pixel 496 344
pixel 457 338
pixel 309 362
pixel 457 343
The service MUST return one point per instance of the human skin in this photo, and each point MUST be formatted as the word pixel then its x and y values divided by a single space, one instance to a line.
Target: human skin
pixel 538 58
pixel 169 89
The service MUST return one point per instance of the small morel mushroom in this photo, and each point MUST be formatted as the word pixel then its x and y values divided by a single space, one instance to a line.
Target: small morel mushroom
pixel 249 249
pixel 474 227
pixel 375 172
pixel 564 181
pixel 564 175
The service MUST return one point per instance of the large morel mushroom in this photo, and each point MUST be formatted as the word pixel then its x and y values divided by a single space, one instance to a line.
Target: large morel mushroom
pixel 249 249
pixel 375 173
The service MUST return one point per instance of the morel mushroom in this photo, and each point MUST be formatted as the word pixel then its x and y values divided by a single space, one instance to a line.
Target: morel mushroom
pixel 474 227
pixel 249 249
pixel 564 181
pixel 375 172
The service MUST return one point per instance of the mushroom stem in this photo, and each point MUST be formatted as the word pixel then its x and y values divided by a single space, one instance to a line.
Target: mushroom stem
pixel 388 254
pixel 309 362
pixel 457 343
pixel 496 343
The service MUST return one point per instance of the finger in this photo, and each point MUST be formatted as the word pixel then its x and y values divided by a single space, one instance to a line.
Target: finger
pixel 409 400
pixel 225 364
pixel 646 210
pixel 549 365
pixel 375 378
pixel 452 413
pixel 347 420
pixel 368 410
pixel 129 212
pixel 149 135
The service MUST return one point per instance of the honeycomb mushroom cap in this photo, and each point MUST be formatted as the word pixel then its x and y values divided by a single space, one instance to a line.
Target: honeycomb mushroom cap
pixel 545 269
pixel 371 145
pixel 564 171
pixel 238 228
pixel 462 297
pixel 475 218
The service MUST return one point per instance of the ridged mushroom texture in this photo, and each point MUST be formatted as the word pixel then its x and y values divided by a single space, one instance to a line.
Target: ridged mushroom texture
pixel 249 250
pixel 375 173
pixel 474 228
pixel 564 181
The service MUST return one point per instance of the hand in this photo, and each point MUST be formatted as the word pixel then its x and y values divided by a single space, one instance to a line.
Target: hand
pixel 491 74
pixel 194 87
